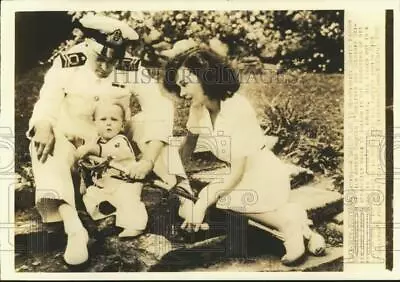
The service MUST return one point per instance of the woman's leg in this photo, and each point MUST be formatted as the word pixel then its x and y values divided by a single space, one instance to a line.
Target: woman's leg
pixel 76 251
pixel 289 219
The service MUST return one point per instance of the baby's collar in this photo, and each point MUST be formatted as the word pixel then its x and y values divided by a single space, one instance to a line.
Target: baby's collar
pixel 100 140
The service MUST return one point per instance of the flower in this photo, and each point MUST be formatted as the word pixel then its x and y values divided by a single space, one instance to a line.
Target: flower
pixel 219 47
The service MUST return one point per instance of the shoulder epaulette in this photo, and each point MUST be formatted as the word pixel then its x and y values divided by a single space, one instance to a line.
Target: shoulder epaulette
pixel 72 59
pixel 128 64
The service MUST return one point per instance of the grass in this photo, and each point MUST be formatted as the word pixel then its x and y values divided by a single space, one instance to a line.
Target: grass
pixel 305 110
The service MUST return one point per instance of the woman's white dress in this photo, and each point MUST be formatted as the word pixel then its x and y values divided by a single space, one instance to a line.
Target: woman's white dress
pixel 265 184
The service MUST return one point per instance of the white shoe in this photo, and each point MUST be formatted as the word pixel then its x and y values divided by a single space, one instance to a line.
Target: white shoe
pixel 316 244
pixel 294 245
pixel 76 251
pixel 294 251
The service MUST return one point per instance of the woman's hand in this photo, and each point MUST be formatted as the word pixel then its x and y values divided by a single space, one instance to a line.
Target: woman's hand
pixel 194 220
pixel 187 147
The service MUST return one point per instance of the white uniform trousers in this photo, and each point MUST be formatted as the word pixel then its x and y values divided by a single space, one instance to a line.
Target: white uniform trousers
pixel 54 177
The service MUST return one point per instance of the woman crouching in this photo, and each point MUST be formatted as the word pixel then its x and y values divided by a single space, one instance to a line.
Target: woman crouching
pixel 219 109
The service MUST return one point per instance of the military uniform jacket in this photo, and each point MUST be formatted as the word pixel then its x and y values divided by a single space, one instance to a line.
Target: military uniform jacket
pixel 71 90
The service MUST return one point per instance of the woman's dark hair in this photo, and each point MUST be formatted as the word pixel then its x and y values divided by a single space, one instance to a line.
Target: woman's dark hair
pixel 218 80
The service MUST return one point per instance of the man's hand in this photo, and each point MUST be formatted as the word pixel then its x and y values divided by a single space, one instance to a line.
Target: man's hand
pixel 145 165
pixel 43 140
pixel 141 169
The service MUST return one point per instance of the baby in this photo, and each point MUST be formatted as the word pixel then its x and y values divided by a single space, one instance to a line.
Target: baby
pixel 131 214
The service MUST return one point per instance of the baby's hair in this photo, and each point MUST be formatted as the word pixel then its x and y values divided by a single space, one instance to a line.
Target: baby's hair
pixel 110 104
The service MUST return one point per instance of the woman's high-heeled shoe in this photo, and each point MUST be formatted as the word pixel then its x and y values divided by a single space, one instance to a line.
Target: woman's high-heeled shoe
pixel 294 245
pixel 315 242
pixel 294 252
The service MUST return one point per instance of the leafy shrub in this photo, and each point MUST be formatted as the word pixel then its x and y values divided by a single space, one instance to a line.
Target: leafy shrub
pixel 304 141
pixel 310 128
pixel 307 40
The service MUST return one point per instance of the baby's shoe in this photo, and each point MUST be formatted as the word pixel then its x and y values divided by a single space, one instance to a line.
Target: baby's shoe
pixel 130 233
pixel 76 252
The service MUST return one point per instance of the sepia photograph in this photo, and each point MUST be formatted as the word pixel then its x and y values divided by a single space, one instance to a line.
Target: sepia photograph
pixel 169 141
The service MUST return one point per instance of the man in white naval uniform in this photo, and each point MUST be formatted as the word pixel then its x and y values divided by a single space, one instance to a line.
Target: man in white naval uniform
pixel 96 70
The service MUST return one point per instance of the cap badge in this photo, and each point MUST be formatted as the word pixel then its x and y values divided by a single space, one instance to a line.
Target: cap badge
pixel 115 38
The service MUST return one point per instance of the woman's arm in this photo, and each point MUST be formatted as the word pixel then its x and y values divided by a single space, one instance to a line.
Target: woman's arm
pixel 212 192
pixel 188 146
